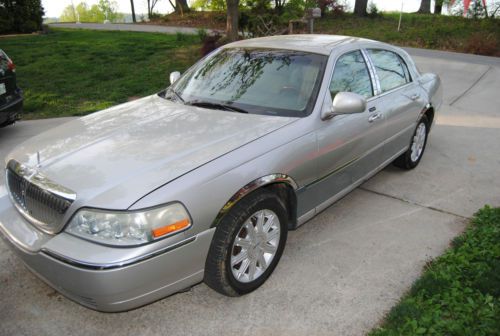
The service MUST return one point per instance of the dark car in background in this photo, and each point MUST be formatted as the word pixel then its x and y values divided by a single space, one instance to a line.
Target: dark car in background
pixel 11 98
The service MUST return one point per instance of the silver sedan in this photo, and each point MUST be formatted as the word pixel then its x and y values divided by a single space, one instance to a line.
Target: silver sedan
pixel 202 181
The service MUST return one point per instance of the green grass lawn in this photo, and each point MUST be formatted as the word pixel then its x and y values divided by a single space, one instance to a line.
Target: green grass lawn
pixel 418 30
pixel 76 72
pixel 459 293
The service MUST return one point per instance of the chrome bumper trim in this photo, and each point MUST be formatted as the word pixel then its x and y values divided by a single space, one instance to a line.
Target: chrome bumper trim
pixel 93 266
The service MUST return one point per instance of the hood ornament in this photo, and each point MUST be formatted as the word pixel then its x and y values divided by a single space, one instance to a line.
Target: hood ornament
pixel 38 164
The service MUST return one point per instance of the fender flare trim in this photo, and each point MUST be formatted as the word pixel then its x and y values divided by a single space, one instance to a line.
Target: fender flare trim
pixel 252 186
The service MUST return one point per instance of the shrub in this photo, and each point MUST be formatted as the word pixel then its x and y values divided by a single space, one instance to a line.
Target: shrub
pixel 179 37
pixel 481 44
pixel 202 34
pixel 155 16
pixel 373 10
pixel 210 43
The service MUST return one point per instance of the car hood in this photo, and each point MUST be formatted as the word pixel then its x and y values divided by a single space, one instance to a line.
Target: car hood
pixel 113 157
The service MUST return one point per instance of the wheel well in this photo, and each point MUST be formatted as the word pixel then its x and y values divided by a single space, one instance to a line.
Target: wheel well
pixel 286 193
pixel 430 115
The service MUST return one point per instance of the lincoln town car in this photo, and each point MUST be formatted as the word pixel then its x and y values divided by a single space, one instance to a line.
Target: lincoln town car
pixel 202 181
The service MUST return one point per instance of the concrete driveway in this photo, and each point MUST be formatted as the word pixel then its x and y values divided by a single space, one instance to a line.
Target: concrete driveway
pixel 342 271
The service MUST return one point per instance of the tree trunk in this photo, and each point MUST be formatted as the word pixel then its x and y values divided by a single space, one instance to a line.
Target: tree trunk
pixel 181 6
pixel 438 7
pixel 425 7
pixel 360 7
pixel 133 11
pixel 232 20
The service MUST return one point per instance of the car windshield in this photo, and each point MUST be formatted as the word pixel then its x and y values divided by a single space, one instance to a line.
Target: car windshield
pixel 259 81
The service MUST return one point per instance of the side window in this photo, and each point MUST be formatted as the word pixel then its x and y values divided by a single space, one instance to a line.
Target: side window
pixel 391 71
pixel 351 75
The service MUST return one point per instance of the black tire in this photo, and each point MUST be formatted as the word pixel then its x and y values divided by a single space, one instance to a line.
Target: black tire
pixel 218 271
pixel 405 161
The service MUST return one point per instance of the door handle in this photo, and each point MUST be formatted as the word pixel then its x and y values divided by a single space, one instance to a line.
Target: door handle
pixel 415 96
pixel 374 117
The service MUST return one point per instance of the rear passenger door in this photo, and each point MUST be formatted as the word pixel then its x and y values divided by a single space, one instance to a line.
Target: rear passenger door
pixel 399 98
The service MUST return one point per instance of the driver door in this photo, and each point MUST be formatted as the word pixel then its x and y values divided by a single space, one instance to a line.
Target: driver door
pixel 349 146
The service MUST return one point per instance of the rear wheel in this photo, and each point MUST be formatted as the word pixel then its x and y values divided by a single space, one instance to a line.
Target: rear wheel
pixel 247 244
pixel 411 158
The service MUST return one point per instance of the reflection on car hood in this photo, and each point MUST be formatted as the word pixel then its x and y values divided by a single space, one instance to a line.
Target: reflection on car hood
pixel 145 143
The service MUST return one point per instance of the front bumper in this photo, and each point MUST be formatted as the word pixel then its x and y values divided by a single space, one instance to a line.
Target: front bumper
pixel 107 287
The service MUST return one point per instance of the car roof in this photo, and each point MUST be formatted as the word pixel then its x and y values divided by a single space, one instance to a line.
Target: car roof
pixel 314 43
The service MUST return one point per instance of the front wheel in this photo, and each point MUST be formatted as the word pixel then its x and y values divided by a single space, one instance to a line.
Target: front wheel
pixel 411 158
pixel 247 244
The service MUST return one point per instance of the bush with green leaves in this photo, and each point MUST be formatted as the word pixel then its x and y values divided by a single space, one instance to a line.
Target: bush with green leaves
pixel 202 34
pixel 459 292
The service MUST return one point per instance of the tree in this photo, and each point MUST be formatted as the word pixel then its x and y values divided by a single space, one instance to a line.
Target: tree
pixel 20 16
pixel 425 7
pixel 180 6
pixel 151 5
pixel 232 19
pixel 213 5
pixel 109 9
pixel 68 14
pixel 360 7
pixel 133 11
pixel 105 9
pixel 279 5
pixel 438 7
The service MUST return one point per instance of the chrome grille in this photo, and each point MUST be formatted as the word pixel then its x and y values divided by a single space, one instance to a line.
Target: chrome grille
pixel 39 200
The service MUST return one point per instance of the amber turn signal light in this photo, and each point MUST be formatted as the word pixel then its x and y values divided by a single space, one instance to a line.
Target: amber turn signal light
pixel 164 230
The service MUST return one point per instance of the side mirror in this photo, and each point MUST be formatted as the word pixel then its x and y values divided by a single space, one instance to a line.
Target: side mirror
pixel 174 76
pixel 345 103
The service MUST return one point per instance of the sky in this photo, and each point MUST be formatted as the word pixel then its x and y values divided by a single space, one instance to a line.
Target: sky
pixel 54 8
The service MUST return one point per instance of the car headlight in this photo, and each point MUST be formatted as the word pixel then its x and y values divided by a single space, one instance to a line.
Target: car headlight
pixel 126 228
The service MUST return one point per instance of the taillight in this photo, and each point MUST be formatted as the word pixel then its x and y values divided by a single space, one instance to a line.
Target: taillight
pixel 11 66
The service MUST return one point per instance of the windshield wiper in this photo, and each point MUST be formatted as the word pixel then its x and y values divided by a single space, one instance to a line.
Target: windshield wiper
pixel 177 95
pixel 219 106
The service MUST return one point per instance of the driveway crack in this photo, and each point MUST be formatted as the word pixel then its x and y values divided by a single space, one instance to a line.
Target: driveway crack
pixel 470 88
pixel 429 207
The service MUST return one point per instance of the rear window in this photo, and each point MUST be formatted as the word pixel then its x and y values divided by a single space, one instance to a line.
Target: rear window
pixel 391 70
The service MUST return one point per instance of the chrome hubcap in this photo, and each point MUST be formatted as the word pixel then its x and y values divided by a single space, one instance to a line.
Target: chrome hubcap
pixel 417 146
pixel 255 245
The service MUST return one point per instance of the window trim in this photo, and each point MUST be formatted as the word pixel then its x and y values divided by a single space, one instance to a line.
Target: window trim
pixel 405 66
pixel 373 73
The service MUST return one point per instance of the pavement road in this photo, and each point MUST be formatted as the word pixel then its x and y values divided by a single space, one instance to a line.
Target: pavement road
pixel 147 28
pixel 343 270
